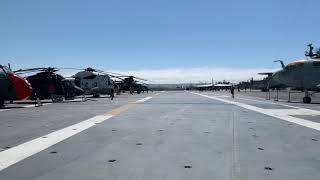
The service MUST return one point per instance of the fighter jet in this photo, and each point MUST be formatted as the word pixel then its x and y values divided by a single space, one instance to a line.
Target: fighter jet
pixel 302 74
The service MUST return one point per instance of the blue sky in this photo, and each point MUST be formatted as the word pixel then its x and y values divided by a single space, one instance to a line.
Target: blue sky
pixel 150 34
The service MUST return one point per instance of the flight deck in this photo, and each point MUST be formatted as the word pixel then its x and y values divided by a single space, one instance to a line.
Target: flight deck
pixel 162 135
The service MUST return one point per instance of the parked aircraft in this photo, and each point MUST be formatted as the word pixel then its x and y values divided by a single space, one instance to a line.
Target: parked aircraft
pixel 301 74
pixel 12 86
pixel 95 82
pixel 47 84
pixel 224 85
pixel 266 83
pixel 131 84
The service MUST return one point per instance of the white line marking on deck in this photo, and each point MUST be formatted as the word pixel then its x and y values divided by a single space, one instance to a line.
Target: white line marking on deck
pixel 18 153
pixel 266 102
pixel 284 114
pixel 144 99
pixel 22 107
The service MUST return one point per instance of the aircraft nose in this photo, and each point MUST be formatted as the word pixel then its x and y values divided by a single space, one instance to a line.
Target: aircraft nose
pixel 22 86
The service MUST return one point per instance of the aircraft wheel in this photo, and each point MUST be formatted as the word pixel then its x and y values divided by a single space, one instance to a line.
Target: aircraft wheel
pixel 60 99
pixel 306 100
pixel 54 100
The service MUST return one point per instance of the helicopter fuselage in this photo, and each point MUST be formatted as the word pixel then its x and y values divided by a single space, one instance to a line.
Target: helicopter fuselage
pixel 94 83
pixel 47 84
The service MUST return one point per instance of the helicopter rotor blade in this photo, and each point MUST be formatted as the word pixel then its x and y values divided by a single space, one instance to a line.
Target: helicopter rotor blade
pixel 140 78
pixel 118 74
pixel 31 70
pixel 28 70
pixel 142 83
pixel 122 75
pixel 115 76
pixel 72 68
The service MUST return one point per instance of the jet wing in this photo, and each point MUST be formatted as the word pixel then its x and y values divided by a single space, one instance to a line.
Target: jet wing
pixel 204 85
pixel 222 85
pixel 266 73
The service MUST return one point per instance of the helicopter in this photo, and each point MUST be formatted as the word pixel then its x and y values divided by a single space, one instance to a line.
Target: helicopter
pixel 302 74
pixel 47 84
pixel 128 83
pixel 94 82
pixel 12 86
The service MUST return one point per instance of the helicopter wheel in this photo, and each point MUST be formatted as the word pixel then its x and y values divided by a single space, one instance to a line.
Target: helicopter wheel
pixel 56 98
pixel 306 99
pixel 60 99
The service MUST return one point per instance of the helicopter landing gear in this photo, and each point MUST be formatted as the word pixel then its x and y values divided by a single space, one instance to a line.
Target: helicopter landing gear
pixel 131 89
pixel 112 94
pixel 307 98
pixel 56 98
pixel 96 95
pixel 118 91
pixel 1 103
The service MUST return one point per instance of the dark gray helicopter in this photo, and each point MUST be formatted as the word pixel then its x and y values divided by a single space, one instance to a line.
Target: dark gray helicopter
pixel 12 86
pixel 129 83
pixel 301 74
pixel 47 84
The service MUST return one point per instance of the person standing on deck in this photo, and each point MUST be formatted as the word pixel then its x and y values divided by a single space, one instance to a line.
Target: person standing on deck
pixel 232 91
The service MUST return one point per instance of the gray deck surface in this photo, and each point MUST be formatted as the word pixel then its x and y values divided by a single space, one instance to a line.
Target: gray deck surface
pixel 182 136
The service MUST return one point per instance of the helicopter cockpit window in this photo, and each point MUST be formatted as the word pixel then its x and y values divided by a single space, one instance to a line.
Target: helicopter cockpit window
pixel 6 69
pixel 2 73
pixel 90 77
